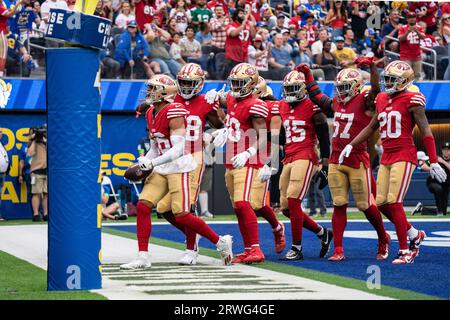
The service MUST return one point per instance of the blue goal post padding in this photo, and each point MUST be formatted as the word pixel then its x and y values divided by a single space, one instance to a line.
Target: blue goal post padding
pixel 73 100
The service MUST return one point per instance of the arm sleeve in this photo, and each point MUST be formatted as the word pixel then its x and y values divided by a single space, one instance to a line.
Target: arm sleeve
pixel 153 152
pixel 324 139
pixel 173 153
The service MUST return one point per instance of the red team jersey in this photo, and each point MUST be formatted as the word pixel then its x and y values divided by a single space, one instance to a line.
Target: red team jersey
pixel 239 123
pixel 144 13
pixel 198 110
pixel 349 120
pixel 397 124
pixel 3 19
pixel 301 138
pixel 158 125
pixel 410 49
pixel 236 48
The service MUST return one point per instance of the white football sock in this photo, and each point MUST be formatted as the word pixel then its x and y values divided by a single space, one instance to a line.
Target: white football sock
pixel 412 233
pixel 203 201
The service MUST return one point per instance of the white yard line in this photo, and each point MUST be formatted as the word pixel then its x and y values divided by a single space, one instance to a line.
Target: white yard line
pixel 167 280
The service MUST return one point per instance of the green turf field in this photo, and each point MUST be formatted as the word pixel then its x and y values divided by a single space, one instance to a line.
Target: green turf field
pixel 20 280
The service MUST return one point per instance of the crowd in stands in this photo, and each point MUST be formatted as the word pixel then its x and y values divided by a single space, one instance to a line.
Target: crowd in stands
pixel 159 36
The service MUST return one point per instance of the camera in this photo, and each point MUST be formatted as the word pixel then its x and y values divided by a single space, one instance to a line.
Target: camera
pixel 40 133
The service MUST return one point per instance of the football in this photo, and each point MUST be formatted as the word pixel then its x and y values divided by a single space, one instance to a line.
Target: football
pixel 135 174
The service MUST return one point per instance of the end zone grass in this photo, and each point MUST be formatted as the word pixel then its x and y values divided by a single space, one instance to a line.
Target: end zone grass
pixel 20 280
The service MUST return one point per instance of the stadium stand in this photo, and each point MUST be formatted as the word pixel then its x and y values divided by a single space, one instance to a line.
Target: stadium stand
pixel 267 18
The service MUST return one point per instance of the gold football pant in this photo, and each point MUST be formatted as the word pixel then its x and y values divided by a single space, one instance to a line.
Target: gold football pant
pixel 295 179
pixel 341 178
pixel 195 179
pixel 393 182
pixel 176 185
pixel 239 183
pixel 258 194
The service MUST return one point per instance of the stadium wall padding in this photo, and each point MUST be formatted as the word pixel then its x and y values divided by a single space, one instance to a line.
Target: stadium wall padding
pixel 73 149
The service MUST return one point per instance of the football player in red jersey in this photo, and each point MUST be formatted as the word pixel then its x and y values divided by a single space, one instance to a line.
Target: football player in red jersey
pixel 397 113
pixel 260 186
pixel 304 123
pixel 245 134
pixel 190 81
pixel 353 109
pixel 171 168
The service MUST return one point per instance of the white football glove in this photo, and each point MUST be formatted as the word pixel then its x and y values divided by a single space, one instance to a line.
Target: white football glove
pixel 212 96
pixel 145 163
pixel 240 159
pixel 345 153
pixel 265 173
pixel 220 137
pixel 437 173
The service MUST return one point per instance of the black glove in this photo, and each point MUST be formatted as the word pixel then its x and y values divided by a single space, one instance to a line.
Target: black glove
pixel 321 177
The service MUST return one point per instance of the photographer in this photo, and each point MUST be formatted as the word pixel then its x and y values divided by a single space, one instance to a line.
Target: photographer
pixel 38 153
pixel 4 166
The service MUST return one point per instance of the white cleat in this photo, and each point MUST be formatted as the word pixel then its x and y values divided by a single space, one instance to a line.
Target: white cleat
pixel 142 262
pixel 225 247
pixel 189 258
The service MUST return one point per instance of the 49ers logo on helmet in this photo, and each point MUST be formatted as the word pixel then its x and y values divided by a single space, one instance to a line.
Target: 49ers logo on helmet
pixel 167 81
pixel 353 74
pixel 401 66
pixel 250 71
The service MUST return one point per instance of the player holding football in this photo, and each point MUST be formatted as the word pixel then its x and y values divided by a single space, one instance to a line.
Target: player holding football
pixel 397 113
pixel 304 123
pixel 353 109
pixel 171 167
pixel 245 134
pixel 190 81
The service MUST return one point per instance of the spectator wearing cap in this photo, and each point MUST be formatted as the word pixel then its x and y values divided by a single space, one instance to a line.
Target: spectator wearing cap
pixel 258 56
pixel 311 29
pixel 370 43
pixel 239 36
pixel 124 16
pixel 336 18
pixel 345 56
pixel 409 37
pixel 132 53
pixel 441 190
pixel 281 60
pixel 316 47
pixel 423 163
pixel 327 61
pixel 282 23
pixel 426 12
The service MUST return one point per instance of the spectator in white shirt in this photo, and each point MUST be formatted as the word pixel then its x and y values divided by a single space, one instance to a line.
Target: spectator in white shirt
pixel 52 4
pixel 124 16
pixel 316 47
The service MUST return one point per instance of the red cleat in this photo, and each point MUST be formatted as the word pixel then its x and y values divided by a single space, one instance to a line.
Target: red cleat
pixel 241 256
pixel 404 257
pixel 383 248
pixel 254 256
pixel 280 239
pixel 414 244
pixel 338 255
